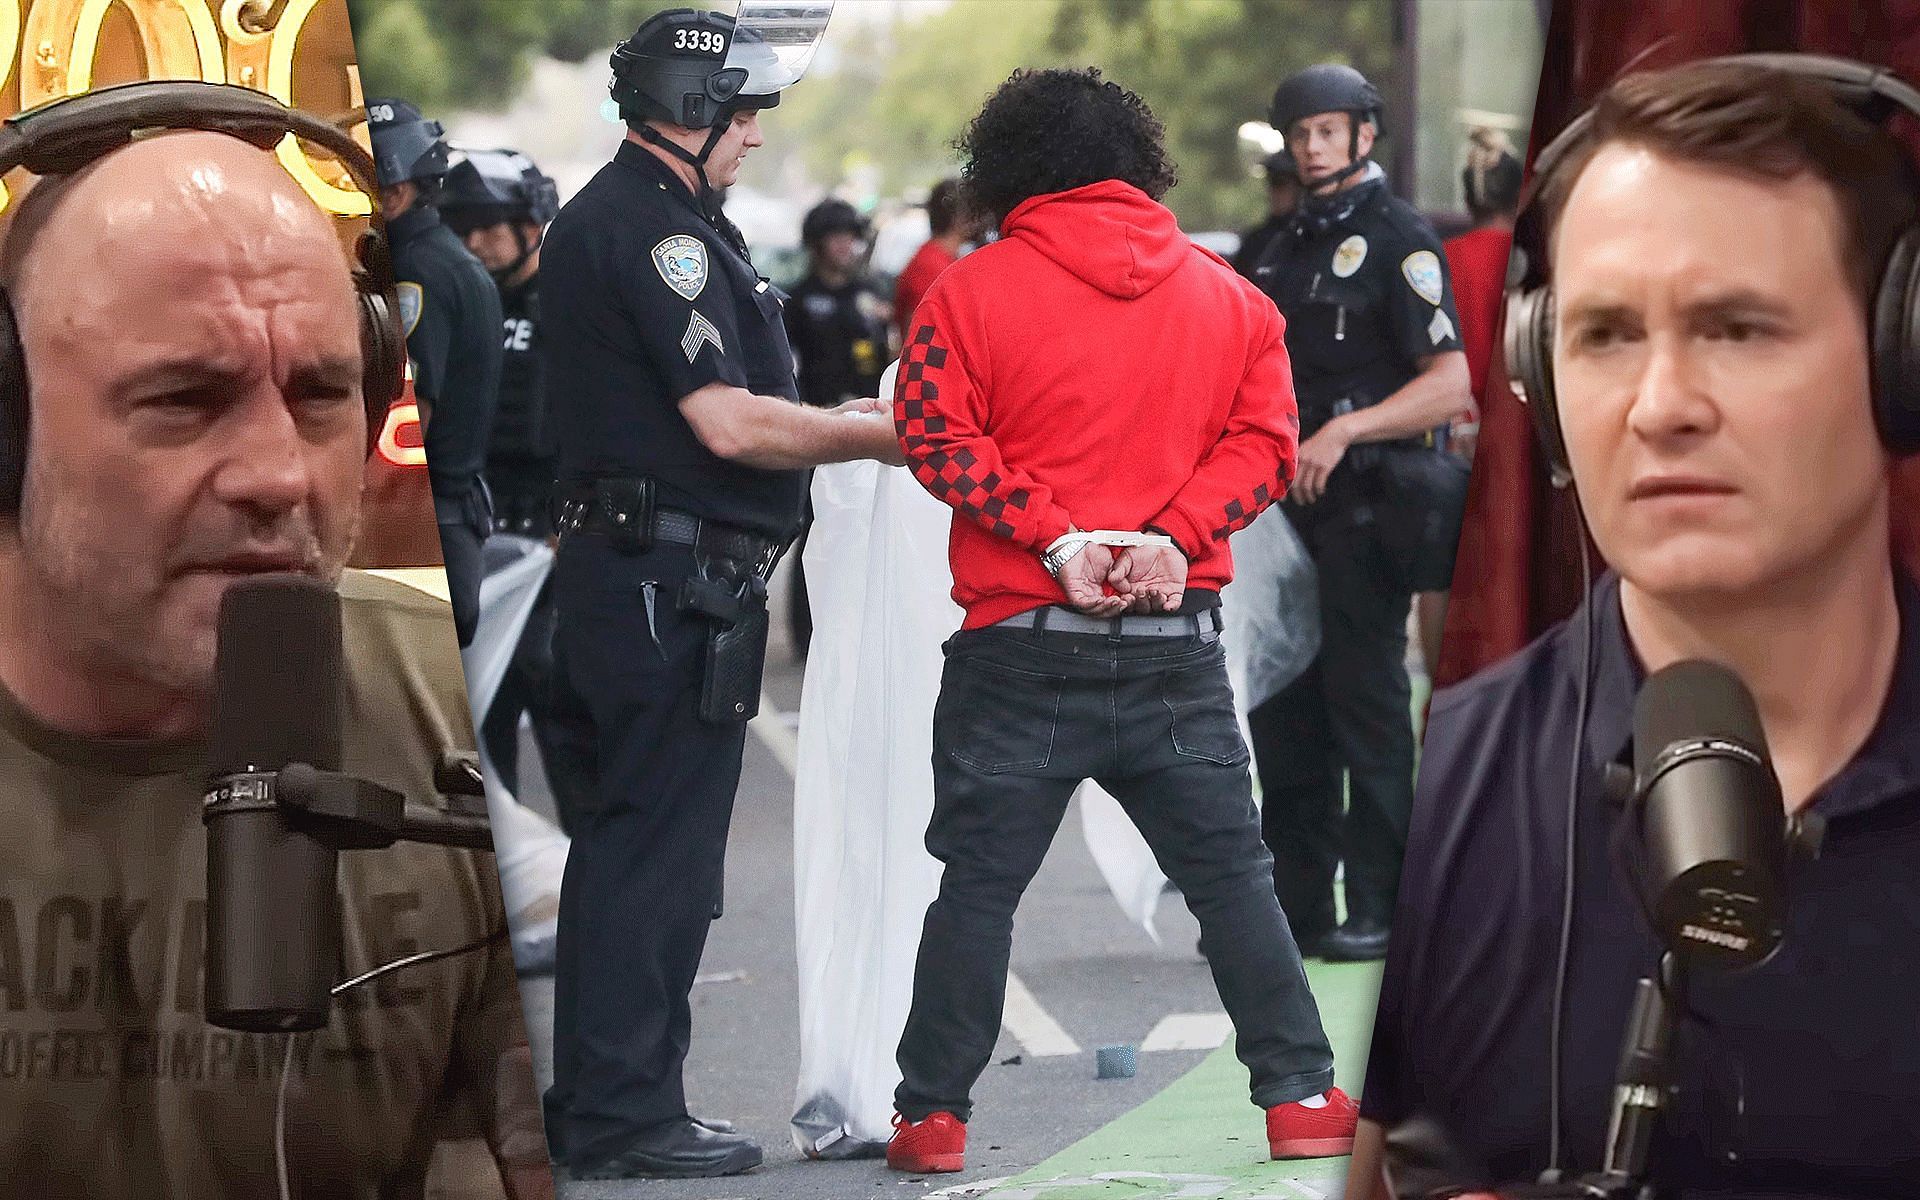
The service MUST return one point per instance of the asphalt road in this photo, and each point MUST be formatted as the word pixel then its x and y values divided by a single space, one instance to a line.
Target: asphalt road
pixel 1099 978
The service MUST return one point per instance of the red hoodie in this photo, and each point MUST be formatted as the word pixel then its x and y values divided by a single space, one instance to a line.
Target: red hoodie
pixel 1093 367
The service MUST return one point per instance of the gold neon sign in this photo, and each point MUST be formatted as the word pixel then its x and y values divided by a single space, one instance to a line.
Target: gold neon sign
pixel 56 46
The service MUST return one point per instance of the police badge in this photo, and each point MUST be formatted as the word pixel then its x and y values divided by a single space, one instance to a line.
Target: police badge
pixel 412 299
pixel 682 262
pixel 1348 256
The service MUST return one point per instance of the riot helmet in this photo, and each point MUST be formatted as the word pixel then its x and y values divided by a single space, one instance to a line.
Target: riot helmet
pixel 1323 88
pixel 407 148
pixel 832 215
pixel 697 69
pixel 488 186
pixel 499 187
pixel 678 67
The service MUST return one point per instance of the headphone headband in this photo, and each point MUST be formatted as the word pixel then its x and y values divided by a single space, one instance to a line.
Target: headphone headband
pixel 62 136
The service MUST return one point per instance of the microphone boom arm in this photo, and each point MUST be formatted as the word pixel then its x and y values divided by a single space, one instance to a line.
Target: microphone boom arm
pixel 345 812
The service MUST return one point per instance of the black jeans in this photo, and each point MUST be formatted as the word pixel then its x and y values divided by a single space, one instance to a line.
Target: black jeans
pixel 1022 719
pixel 644 872
pixel 1346 718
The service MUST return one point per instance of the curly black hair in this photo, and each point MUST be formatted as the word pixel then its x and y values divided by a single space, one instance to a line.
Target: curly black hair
pixel 1054 130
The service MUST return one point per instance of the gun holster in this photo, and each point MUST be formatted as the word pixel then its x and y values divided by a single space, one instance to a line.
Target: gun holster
pixel 1422 497
pixel 736 609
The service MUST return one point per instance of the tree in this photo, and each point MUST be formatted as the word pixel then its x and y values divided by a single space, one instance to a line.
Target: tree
pixel 886 100
pixel 476 53
pixel 1208 66
pixel 895 108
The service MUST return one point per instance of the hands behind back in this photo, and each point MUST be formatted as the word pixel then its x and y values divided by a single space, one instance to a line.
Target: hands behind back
pixel 1142 579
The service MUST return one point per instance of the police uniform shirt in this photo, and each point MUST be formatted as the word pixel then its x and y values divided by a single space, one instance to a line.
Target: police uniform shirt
pixel 520 454
pixel 520 431
pixel 450 310
pixel 1255 243
pixel 840 337
pixel 644 302
pixel 1366 297
pixel 1802 1077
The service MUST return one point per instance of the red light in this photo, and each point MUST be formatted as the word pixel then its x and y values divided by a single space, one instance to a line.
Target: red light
pixel 401 440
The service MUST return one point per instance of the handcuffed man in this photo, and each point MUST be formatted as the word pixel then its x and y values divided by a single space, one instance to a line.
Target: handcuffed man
pixel 1102 403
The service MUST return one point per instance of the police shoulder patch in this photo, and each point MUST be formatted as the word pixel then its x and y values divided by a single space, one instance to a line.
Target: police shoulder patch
pixel 1422 269
pixel 1348 256
pixel 412 300
pixel 682 262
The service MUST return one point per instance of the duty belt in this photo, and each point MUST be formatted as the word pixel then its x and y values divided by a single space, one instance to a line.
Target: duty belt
pixel 624 510
pixel 1206 625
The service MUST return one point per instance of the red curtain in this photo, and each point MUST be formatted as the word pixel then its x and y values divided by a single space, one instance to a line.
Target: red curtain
pixel 1518 566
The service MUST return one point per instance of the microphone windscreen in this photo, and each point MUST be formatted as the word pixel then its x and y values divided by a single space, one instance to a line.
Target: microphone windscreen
pixel 1690 701
pixel 1710 821
pixel 273 922
pixel 278 676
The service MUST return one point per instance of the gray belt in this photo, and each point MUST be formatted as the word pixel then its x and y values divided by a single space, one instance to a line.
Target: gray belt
pixel 1204 625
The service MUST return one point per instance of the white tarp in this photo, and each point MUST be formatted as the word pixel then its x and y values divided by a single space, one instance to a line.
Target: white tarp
pixel 516 567
pixel 530 852
pixel 878 587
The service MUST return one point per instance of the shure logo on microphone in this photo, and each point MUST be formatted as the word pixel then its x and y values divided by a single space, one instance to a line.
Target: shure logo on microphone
pixel 249 789
pixel 1715 937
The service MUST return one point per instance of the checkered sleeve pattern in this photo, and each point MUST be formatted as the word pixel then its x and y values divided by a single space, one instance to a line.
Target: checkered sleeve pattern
pixel 1250 466
pixel 937 416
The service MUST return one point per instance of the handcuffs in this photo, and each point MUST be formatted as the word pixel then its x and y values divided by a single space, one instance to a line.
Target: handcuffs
pixel 1064 547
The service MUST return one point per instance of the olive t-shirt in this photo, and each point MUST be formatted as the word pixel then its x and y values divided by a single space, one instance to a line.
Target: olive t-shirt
pixel 112 1084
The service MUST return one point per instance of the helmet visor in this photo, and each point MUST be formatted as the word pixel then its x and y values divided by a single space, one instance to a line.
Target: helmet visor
pixel 774 42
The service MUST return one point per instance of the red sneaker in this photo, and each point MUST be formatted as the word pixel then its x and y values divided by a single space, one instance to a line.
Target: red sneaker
pixel 931 1147
pixel 1296 1131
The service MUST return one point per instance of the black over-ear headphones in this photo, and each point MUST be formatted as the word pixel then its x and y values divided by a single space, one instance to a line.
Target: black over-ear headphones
pixel 65 135
pixel 1875 93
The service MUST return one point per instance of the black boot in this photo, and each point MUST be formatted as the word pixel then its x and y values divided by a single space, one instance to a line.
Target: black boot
pixel 1356 941
pixel 681 1149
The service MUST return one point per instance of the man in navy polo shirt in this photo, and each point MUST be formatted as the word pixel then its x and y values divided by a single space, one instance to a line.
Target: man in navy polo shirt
pixel 1717 406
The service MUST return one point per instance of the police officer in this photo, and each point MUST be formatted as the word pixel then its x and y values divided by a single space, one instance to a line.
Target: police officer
pixel 841 333
pixel 1377 365
pixel 451 314
pixel 499 203
pixel 836 318
pixel 671 383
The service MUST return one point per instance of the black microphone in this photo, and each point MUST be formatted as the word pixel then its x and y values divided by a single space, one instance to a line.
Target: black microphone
pixel 273 921
pixel 1711 822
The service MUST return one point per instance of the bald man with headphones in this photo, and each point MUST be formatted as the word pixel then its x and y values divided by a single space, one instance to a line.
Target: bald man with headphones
pixel 189 370
pixel 1717 337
